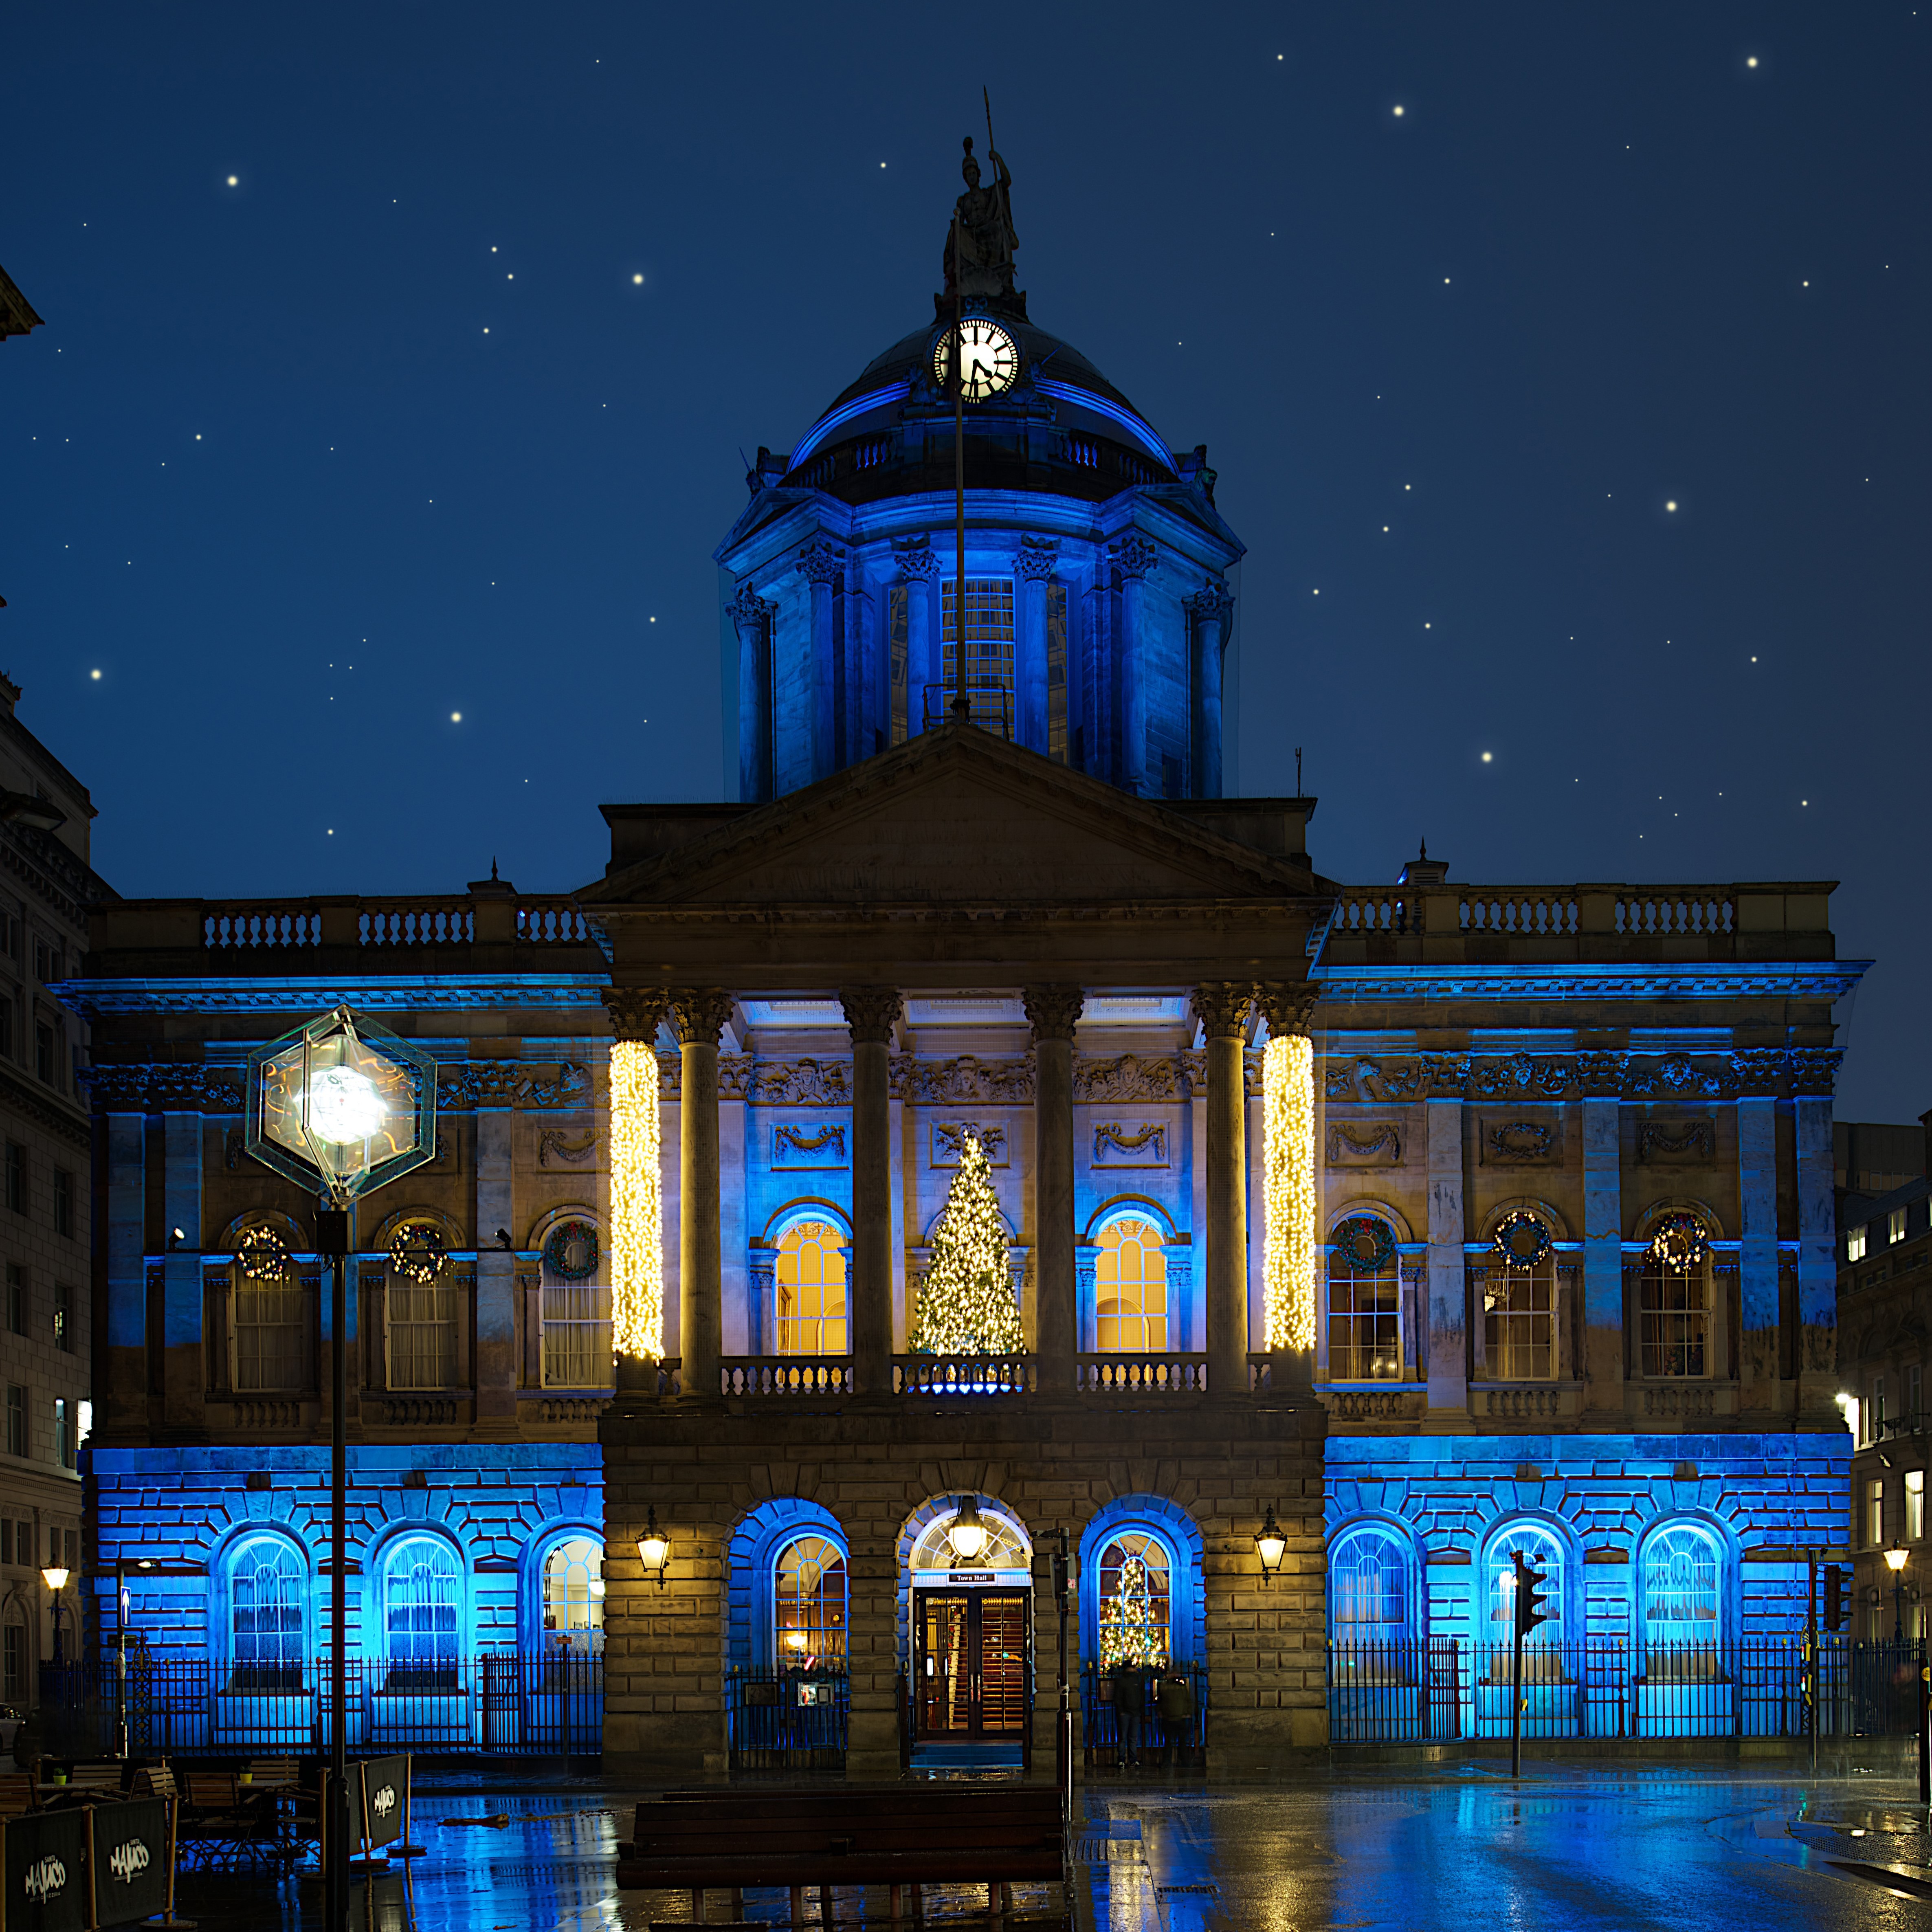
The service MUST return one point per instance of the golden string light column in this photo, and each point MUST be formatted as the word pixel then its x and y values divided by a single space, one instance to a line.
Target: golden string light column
pixel 636 1206
pixel 1290 1254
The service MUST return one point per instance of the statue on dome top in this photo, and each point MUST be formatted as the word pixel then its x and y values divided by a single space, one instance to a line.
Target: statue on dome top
pixel 983 223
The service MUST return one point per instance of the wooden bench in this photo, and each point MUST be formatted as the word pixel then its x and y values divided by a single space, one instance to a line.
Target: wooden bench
pixel 19 1793
pixel 899 1836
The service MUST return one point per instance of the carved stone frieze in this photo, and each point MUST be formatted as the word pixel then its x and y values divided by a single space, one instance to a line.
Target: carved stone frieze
pixel 1127 1076
pixel 553 1144
pixel 1688 1143
pixel 962 1082
pixel 822 1144
pixel 1445 1076
pixel 950 1138
pixel 1547 1076
pixel 799 1083
pixel 1601 1076
pixel 1814 1070
pixel 164 1087
pixel 1519 1144
pixel 1678 1073
pixel 1381 1081
pixel 511 1083
pixel 1117 1144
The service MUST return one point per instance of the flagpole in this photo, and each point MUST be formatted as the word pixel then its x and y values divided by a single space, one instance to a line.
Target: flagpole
pixel 960 706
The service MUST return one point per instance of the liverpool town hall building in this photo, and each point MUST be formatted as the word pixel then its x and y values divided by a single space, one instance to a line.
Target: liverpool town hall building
pixel 1420 1222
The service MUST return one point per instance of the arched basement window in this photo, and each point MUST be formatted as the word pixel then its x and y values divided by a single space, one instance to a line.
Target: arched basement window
pixel 1681 1577
pixel 1544 1553
pixel 266 1589
pixel 1369 1586
pixel 1130 1288
pixel 809 1601
pixel 573 1587
pixel 811 1290
pixel 421 1617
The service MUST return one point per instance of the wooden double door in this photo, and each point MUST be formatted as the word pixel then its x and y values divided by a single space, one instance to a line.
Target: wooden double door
pixel 970 1663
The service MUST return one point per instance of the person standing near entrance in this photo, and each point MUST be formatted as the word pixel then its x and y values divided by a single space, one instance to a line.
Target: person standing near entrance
pixel 1130 1706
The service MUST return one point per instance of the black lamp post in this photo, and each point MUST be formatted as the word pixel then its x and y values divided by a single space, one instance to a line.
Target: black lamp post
pixel 55 1577
pixel 339 1106
pixel 1896 1558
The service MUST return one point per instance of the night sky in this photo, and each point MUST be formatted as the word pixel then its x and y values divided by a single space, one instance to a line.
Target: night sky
pixel 352 413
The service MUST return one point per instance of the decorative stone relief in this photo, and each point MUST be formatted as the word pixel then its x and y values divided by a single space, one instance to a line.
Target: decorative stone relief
pixel 1117 1144
pixel 552 1144
pixel 950 1138
pixel 1127 1077
pixel 1520 1144
pixel 511 1083
pixel 799 1083
pixel 819 1143
pixel 1677 1143
pixel 1376 1144
pixel 165 1086
pixel 952 1083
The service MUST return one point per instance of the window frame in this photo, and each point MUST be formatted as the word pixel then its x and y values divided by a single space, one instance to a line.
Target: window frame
pixel 1872 1516
pixel 594 1598
pixel 1343 1631
pixel 272 1674
pixel 836 1633
pixel 306 1304
pixel 1499 1571
pixel 20 1431
pixel 430 1657
pixel 1389 1277
pixel 593 1293
pixel 1914 1506
pixel 1697 1658
pixel 794 1227
pixel 1151 1241
pixel 1650 1358
pixel 1855 1242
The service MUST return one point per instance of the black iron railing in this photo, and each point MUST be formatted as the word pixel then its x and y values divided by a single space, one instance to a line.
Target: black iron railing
pixel 1173 1724
pixel 1444 1689
pixel 780 1720
pixel 520 1705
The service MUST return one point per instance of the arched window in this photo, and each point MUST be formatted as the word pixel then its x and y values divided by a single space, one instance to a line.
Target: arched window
pixel 1542 1551
pixel 809 1601
pixel 1368 1588
pixel 811 1289
pixel 266 1586
pixel 422 1587
pixel 1519 1302
pixel 1681 1577
pixel 1364 1304
pixel 573 1596
pixel 576 1309
pixel 1130 1288
pixel 1136 1600
pixel 1674 1336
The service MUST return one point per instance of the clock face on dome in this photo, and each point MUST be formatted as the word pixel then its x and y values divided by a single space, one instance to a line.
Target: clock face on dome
pixel 990 358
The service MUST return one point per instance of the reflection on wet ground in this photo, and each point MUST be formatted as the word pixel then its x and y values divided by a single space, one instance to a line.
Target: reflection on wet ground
pixel 1576 1846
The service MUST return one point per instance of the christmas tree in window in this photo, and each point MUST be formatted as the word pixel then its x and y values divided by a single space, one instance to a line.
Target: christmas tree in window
pixel 1128 1631
pixel 966 1307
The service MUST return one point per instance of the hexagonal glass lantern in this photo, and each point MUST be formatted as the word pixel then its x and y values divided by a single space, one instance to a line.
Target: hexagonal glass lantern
pixel 341 1106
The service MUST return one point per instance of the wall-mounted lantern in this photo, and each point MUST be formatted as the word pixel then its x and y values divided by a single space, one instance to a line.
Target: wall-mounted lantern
pixel 654 1549
pixel 1271 1546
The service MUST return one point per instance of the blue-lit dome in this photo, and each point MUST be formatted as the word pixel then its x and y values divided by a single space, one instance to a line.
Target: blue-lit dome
pixel 1062 426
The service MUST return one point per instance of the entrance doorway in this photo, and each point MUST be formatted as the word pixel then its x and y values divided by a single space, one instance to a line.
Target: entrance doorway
pixel 971 1664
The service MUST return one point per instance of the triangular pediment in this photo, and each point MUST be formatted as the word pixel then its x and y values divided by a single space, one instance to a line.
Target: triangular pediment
pixel 956 816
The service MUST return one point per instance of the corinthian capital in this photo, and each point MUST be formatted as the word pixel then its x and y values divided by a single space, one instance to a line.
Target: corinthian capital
pixel 1052 1010
pixel 1288 1006
pixel 697 1014
pixel 915 558
pixel 1135 555
pixel 1037 557
pixel 748 608
pixel 636 1012
pixel 871 1013
pixel 1221 1006
pixel 822 562
pixel 1212 600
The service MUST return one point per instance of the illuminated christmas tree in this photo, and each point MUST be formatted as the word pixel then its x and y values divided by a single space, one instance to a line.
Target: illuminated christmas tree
pixel 967 1305
pixel 1127 1627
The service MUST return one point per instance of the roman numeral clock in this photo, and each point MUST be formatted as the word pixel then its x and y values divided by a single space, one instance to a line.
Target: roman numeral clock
pixel 989 358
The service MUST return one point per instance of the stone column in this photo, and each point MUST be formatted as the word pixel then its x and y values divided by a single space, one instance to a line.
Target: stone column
pixel 872 1012
pixel 1756 1371
pixel 184 1376
pixel 124 1382
pixel 920 569
pixel 1222 1007
pixel 697 1015
pixel 1136 556
pixel 823 565
pixel 752 616
pixel 1448 1271
pixel 1035 564
pixel 1052 1011
pixel 1602 1367
pixel 496 1361
pixel 1210 608
pixel 1289 1006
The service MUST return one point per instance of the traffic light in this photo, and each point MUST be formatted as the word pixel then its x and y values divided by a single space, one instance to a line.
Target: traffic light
pixel 1837 1611
pixel 1529 1595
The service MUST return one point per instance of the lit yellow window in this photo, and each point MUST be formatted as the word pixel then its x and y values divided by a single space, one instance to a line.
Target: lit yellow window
pixel 1130 1289
pixel 811 1290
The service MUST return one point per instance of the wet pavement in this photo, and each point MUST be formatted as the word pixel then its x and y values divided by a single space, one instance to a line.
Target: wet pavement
pixel 1572 1846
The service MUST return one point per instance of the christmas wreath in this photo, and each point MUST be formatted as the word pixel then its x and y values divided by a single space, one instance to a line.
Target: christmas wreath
pixel 1365 1244
pixel 418 1252
pixel 1522 1239
pixel 571 1253
pixel 1678 1243
pixel 261 1254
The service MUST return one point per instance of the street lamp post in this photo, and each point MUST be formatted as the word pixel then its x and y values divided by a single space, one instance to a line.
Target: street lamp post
pixel 54 1577
pixel 1896 1558
pixel 340 1106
